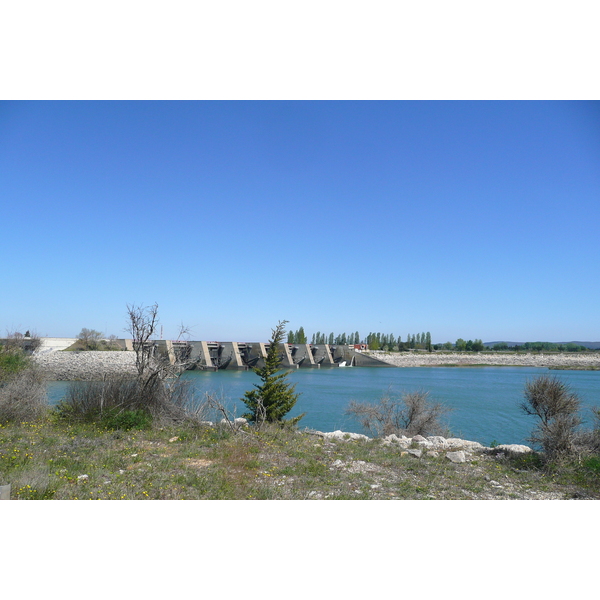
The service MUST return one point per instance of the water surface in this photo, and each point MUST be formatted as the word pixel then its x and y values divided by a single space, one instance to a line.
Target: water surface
pixel 484 400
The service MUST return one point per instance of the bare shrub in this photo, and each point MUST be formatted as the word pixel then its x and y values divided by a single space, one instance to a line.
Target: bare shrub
pixel 556 406
pixel 156 393
pixel 16 341
pixel 587 442
pixel 547 397
pixel 410 414
pixel 89 338
pixel 23 397
pixel 165 403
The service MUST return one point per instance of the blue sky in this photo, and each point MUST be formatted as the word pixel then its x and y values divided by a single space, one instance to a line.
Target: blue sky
pixel 466 219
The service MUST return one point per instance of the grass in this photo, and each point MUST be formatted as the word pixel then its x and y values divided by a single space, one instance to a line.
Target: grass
pixel 51 459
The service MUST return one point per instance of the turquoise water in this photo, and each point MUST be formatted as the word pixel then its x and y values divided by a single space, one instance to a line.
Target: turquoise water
pixel 484 400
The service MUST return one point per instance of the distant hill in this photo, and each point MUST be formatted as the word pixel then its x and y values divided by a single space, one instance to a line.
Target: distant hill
pixel 590 345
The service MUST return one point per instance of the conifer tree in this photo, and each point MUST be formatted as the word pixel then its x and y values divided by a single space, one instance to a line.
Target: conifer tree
pixel 275 397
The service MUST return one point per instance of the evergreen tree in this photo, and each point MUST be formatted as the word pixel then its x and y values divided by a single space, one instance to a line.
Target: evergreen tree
pixel 291 337
pixel 275 397
pixel 331 339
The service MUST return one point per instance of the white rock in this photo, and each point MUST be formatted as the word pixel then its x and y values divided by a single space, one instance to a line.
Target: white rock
pixel 514 448
pixel 456 457
pixel 425 443
pixel 458 443
pixel 437 440
pixel 342 435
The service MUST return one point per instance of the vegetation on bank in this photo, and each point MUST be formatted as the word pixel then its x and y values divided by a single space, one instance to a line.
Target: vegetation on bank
pixel 90 339
pixel 148 437
pixel 51 459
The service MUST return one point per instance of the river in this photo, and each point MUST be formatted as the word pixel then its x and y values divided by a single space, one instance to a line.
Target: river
pixel 484 401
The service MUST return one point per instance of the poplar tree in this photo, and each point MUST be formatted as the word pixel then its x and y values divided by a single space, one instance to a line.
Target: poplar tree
pixel 301 336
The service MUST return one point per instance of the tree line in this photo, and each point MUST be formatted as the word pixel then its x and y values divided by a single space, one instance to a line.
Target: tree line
pixel 375 341
pixel 421 341
pixel 542 346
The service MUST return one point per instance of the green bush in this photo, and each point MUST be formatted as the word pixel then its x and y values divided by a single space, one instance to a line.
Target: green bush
pixel 12 362
pixel 592 464
pixel 126 419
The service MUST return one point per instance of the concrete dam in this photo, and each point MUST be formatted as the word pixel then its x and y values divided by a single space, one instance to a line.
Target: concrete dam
pixel 244 355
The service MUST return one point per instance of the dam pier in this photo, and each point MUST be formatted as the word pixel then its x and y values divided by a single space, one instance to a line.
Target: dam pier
pixel 213 356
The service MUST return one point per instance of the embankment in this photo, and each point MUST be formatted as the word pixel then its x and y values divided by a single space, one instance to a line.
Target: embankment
pixel 73 366
pixel 434 359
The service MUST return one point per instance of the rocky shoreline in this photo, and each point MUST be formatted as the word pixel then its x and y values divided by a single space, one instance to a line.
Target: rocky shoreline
pixel 426 359
pixel 456 450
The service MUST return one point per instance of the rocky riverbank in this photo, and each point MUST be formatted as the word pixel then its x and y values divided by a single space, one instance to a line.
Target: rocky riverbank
pixel 73 366
pixel 426 359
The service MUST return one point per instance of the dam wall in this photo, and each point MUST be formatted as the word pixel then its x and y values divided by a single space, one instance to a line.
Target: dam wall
pixel 251 355
pixel 212 356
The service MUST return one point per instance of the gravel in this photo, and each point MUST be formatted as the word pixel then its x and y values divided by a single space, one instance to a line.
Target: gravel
pixel 426 359
pixel 89 365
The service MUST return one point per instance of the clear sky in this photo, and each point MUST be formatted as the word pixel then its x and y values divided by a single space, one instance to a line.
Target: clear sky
pixel 472 219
